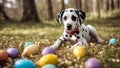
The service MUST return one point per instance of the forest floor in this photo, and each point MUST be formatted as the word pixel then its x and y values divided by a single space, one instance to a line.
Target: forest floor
pixel 15 34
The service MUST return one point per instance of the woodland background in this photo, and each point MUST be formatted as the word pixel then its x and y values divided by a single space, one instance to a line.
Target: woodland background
pixel 38 10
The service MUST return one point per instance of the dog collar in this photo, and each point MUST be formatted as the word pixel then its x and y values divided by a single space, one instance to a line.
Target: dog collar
pixel 72 32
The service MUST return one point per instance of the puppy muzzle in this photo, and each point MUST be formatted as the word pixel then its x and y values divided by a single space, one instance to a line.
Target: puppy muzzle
pixel 69 26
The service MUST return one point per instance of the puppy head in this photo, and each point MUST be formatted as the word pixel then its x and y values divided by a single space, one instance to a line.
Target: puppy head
pixel 71 18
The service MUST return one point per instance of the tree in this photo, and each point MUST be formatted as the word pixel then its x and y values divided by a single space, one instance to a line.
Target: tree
pixel 86 5
pixel 98 6
pixel 29 11
pixel 62 5
pixel 106 5
pixel 80 4
pixel 118 4
pixel 76 4
pixel 2 11
pixel 112 5
pixel 50 10
pixel 94 8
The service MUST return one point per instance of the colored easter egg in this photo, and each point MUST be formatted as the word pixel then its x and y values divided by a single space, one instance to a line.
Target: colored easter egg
pixel 3 55
pixel 48 50
pixel 49 66
pixel 93 63
pixel 30 50
pixel 79 51
pixel 48 59
pixel 113 41
pixel 24 63
pixel 28 44
pixel 13 52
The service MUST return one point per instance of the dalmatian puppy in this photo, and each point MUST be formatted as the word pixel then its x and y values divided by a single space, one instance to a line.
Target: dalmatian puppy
pixel 74 30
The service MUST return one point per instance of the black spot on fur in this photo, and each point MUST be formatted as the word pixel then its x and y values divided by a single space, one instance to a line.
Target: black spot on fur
pixel 75 35
pixel 78 37
pixel 83 29
pixel 70 35
pixel 82 43
pixel 65 17
pixel 58 16
pixel 82 35
pixel 66 35
pixel 65 39
pixel 78 32
pixel 71 10
pixel 73 18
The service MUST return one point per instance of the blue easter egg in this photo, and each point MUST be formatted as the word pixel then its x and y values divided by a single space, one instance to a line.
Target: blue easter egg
pixel 24 63
pixel 28 44
pixel 49 66
pixel 113 41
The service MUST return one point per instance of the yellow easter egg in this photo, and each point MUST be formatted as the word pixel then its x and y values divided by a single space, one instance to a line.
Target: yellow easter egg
pixel 48 59
pixel 79 51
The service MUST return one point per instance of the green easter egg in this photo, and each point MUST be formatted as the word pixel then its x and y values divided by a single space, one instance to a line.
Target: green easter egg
pixel 49 66
pixel 28 44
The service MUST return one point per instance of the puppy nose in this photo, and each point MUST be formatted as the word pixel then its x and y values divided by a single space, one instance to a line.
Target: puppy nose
pixel 69 26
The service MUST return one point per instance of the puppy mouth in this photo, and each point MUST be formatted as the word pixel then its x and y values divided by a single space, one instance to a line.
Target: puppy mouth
pixel 72 31
pixel 69 29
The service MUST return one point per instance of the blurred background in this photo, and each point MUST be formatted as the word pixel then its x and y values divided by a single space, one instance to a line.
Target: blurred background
pixel 38 10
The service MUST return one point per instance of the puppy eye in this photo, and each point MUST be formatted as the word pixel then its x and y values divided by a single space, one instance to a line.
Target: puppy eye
pixel 73 18
pixel 65 17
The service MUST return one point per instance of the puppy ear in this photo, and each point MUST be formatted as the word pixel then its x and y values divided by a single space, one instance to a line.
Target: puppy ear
pixel 59 17
pixel 81 15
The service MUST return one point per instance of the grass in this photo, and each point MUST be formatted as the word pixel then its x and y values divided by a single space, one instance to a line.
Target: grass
pixel 15 34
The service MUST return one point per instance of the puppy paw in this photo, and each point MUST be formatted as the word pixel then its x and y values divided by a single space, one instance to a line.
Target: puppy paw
pixel 72 48
pixel 100 41
pixel 54 46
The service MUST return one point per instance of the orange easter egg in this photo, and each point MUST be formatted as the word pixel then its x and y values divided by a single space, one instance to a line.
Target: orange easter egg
pixel 3 55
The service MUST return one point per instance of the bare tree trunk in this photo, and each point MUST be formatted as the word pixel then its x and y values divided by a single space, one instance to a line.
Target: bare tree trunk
pixel 29 11
pixel 2 11
pixel 50 10
pixel 80 4
pixel 76 4
pixel 118 4
pixel 112 5
pixel 106 6
pixel 62 5
pixel 98 5
pixel 94 8
pixel 86 6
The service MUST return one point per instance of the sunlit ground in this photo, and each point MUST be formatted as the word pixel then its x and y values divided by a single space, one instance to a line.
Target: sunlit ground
pixel 15 34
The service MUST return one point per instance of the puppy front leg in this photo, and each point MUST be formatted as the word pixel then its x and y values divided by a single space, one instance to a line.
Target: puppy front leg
pixel 81 42
pixel 58 42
